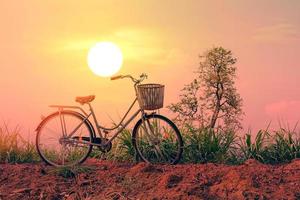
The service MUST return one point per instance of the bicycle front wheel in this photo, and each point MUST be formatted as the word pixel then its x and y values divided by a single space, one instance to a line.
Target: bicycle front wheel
pixel 54 143
pixel 157 140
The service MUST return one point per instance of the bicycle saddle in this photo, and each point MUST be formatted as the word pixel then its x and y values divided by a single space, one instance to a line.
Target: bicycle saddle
pixel 85 99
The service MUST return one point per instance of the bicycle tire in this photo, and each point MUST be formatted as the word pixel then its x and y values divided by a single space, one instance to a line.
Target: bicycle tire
pixel 171 124
pixel 77 115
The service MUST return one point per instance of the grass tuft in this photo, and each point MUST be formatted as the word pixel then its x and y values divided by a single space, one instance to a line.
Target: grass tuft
pixel 14 148
pixel 71 172
pixel 206 145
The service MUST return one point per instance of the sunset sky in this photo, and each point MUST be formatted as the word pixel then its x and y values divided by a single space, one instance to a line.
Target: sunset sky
pixel 44 45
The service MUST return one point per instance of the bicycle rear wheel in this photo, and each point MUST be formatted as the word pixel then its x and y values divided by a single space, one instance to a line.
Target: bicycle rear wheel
pixel 157 140
pixel 54 145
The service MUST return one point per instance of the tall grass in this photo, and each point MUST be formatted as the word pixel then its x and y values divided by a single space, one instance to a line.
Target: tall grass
pixel 284 148
pixel 206 145
pixel 14 148
pixel 280 146
pixel 254 149
pixel 201 145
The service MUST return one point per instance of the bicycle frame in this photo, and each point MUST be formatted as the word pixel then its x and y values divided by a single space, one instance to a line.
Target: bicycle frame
pixel 119 126
pixel 99 128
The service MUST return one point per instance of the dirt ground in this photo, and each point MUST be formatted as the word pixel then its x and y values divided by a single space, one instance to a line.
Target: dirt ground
pixel 114 180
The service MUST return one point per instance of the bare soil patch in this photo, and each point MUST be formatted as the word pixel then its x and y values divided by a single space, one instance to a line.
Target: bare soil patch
pixel 115 180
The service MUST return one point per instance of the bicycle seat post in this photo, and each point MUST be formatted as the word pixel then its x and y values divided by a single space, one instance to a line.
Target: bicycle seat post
pixel 95 118
pixel 91 109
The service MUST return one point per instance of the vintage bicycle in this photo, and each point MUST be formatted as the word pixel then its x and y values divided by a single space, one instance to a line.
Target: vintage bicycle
pixel 67 136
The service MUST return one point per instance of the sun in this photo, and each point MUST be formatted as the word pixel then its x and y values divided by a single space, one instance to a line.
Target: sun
pixel 105 59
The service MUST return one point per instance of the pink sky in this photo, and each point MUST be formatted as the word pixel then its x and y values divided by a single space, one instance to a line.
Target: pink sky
pixel 43 49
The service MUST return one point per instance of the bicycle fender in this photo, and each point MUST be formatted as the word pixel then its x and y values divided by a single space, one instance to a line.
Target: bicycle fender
pixel 46 118
pixel 43 121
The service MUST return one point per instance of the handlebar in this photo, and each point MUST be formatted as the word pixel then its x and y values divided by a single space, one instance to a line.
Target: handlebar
pixel 136 81
pixel 116 77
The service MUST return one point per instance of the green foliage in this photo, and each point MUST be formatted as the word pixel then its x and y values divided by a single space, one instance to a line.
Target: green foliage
pixel 284 148
pixel 161 145
pixel 125 143
pixel 206 145
pixel 201 145
pixel 280 147
pixel 254 149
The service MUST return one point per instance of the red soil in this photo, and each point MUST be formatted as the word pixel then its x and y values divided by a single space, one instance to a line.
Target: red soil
pixel 113 180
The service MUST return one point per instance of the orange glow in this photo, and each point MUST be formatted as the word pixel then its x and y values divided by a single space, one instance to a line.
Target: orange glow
pixel 44 48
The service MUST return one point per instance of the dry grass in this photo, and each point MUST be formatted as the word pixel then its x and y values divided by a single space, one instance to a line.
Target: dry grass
pixel 14 148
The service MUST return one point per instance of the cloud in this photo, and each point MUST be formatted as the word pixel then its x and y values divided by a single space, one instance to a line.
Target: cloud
pixel 278 33
pixel 138 45
pixel 290 110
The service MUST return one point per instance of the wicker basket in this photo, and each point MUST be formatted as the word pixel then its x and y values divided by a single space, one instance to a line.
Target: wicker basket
pixel 150 96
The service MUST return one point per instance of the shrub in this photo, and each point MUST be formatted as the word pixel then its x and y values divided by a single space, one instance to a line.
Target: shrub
pixel 271 148
pixel 285 147
pixel 253 149
pixel 207 145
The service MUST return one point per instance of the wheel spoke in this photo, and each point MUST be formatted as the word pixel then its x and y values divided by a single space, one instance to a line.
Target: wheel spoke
pixel 51 130
pixel 55 148
pixel 148 136
pixel 63 154
pixel 158 140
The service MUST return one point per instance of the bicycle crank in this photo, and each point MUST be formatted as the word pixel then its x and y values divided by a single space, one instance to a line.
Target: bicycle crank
pixel 104 148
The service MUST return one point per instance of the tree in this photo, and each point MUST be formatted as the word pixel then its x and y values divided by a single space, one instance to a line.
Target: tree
pixel 211 99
